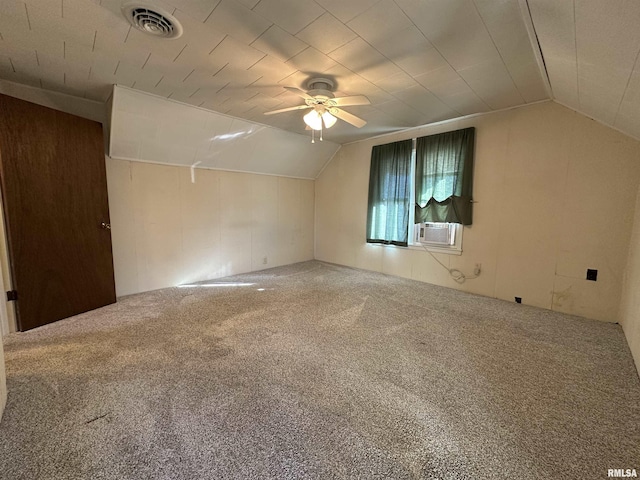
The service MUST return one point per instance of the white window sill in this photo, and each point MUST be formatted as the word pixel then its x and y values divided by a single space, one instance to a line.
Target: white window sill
pixel 431 248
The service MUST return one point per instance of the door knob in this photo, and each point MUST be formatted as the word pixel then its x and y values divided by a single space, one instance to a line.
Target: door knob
pixel 106 226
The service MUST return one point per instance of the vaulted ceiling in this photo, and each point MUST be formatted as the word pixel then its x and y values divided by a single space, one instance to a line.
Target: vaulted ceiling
pixel 418 61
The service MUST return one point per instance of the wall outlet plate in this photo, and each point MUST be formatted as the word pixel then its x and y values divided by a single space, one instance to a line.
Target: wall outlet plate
pixel 592 274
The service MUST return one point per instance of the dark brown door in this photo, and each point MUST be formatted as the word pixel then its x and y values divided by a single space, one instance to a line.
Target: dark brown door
pixel 54 193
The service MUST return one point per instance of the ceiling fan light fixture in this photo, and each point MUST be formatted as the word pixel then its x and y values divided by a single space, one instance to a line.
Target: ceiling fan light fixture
pixel 329 120
pixel 315 119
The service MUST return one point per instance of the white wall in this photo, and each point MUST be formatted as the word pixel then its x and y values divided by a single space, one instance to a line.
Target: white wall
pixel 630 310
pixel 168 231
pixel 555 195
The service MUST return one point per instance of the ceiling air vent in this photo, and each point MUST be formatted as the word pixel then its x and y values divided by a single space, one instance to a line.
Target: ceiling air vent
pixel 152 20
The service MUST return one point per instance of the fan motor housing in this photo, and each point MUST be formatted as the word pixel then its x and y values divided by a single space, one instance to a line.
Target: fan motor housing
pixel 320 88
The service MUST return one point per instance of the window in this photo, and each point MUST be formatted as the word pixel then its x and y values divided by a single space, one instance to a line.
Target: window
pixel 389 188
pixel 437 175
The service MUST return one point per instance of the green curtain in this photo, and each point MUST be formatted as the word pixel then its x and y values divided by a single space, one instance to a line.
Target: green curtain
pixel 389 187
pixel 444 177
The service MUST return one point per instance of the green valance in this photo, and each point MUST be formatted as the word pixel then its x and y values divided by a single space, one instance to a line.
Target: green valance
pixel 444 177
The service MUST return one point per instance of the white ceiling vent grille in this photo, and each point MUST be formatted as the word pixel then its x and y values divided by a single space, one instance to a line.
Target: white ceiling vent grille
pixel 152 20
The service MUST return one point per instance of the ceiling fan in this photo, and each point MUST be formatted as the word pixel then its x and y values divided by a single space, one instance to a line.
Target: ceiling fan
pixel 319 97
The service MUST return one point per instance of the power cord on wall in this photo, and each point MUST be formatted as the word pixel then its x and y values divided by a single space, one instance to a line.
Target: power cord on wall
pixel 457 275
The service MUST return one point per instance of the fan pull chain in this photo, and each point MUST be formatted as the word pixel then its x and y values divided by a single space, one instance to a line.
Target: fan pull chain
pixel 313 140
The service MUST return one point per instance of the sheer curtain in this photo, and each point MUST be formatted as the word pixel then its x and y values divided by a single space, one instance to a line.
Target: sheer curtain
pixel 444 177
pixel 389 187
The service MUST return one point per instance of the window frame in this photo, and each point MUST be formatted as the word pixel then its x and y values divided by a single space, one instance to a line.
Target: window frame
pixel 412 244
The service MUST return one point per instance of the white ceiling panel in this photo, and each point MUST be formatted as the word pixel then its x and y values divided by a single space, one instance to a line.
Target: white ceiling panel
pixel 166 67
pixel 346 11
pixel 493 84
pixel 272 70
pixel 77 54
pixel 438 76
pixel 603 72
pixel 62 29
pixel 237 21
pixel 52 8
pixel 426 103
pixel 326 33
pixel 197 35
pixel 555 26
pixel 401 113
pixel 197 9
pixel 6 65
pixel 231 80
pixel 136 40
pixel 291 15
pixel 382 21
pixel 596 96
pixel 279 44
pixel 458 96
pixel 151 128
pixel 111 43
pixel 14 19
pixel 406 43
pixel 247 3
pixel 398 82
pixel 311 61
pixel 416 60
pixel 590 49
pixel 235 53
pixel 359 56
pixel 455 28
pixel 506 26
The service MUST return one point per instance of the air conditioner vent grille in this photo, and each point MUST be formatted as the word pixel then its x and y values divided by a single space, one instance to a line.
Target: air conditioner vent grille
pixel 435 233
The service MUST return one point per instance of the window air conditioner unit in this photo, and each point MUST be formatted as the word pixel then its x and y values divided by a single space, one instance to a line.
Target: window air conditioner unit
pixel 436 233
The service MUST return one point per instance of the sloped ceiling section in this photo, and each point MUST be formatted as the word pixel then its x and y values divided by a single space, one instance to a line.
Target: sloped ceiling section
pixel 81 107
pixel 591 50
pixel 150 128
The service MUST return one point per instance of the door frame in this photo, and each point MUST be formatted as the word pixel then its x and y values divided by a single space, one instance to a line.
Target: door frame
pixel 8 323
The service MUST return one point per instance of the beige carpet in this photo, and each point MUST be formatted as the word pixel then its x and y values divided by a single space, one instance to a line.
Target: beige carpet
pixel 319 371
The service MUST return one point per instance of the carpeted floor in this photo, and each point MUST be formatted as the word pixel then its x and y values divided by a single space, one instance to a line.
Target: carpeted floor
pixel 319 371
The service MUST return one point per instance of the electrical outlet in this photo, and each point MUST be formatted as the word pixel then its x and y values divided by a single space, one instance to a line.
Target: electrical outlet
pixel 264 260
pixel 592 274
pixel 477 269
pixel 518 299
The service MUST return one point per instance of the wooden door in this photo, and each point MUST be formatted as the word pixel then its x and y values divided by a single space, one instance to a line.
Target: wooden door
pixel 54 193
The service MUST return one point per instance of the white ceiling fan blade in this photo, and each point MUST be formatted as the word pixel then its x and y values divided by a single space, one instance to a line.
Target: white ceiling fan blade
pixel 299 92
pixel 289 109
pixel 347 117
pixel 352 100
